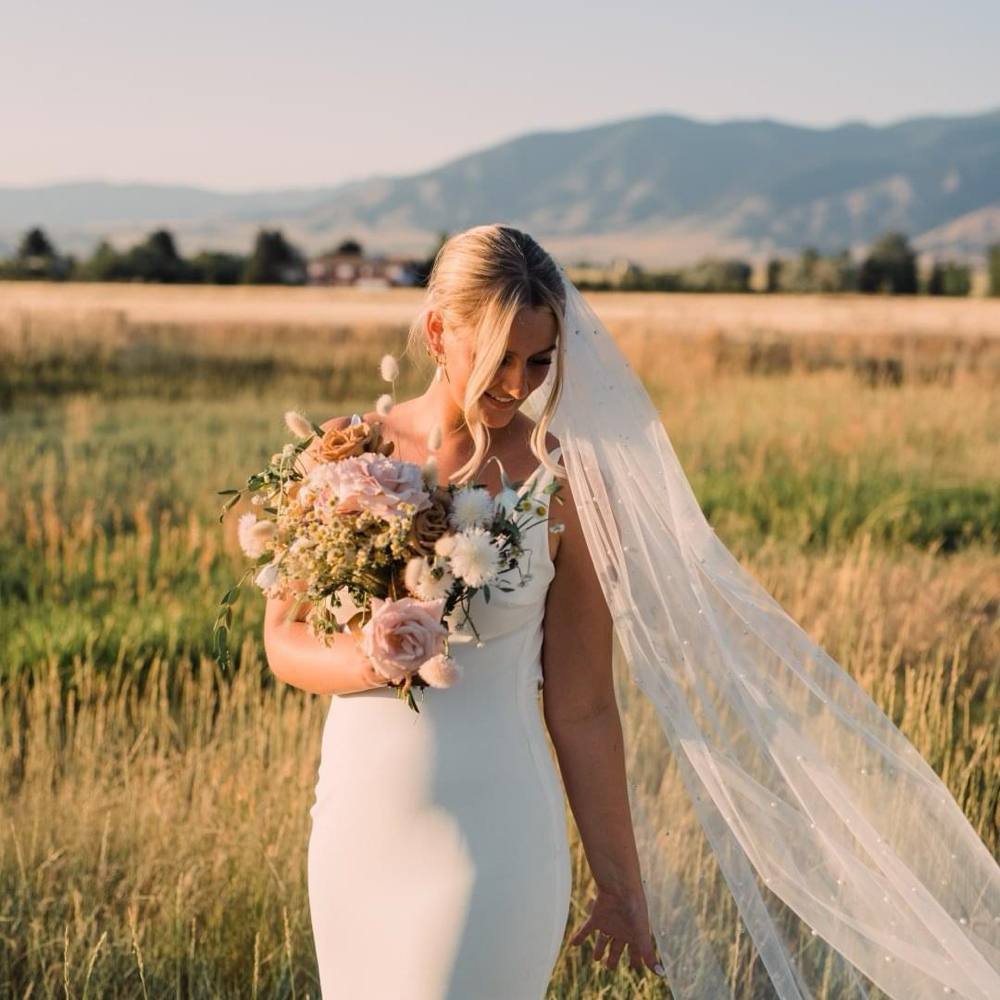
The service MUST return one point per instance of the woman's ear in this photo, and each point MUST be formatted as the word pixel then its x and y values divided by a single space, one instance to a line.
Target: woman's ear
pixel 434 326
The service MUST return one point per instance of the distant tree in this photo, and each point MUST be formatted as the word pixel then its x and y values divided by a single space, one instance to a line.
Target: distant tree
pixel 422 269
pixel 774 268
pixel 211 267
pixel 351 246
pixel 949 278
pixel 816 272
pixel 156 259
pixel 274 261
pixel 890 267
pixel 993 266
pixel 104 264
pixel 35 243
pixel 714 275
pixel 36 259
pixel 637 279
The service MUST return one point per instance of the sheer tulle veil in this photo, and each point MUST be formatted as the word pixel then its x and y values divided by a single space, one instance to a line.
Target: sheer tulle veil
pixel 777 809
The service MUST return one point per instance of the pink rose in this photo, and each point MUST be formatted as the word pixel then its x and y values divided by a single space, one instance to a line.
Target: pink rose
pixel 401 635
pixel 370 482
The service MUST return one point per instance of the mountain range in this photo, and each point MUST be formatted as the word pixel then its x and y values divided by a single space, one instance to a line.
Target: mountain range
pixel 661 190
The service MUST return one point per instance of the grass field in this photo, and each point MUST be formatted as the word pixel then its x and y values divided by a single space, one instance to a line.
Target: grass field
pixel 155 814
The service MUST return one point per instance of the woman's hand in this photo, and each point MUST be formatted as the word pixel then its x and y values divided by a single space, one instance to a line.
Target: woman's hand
pixel 620 919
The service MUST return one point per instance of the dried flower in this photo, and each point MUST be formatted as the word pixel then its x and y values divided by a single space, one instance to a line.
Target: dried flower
pixel 434 438
pixel 389 368
pixel 251 545
pixel 430 523
pixel 383 404
pixel 298 424
pixel 431 472
pixel 441 671
pixel 352 441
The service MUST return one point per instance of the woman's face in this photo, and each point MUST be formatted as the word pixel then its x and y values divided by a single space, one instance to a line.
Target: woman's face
pixel 529 354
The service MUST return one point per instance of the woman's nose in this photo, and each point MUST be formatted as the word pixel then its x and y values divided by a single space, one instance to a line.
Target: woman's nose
pixel 517 387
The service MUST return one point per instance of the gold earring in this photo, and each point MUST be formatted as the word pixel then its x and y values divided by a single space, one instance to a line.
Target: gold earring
pixel 440 359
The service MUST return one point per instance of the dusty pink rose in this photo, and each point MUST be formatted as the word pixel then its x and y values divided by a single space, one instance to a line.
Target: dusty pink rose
pixel 441 671
pixel 370 482
pixel 402 635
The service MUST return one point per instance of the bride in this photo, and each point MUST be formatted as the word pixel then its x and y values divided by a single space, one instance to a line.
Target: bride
pixel 744 757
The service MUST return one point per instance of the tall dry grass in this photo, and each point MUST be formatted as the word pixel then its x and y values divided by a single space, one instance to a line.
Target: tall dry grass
pixel 154 814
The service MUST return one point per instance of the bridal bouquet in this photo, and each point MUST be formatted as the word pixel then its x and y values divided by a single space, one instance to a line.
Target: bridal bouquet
pixel 378 549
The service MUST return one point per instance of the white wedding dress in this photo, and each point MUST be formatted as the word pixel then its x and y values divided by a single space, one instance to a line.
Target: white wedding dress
pixel 439 865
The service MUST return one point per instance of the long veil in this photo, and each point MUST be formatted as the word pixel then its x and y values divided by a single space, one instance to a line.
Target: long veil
pixel 753 756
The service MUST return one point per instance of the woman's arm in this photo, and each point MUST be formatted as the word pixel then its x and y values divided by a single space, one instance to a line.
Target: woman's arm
pixel 580 709
pixel 581 714
pixel 302 660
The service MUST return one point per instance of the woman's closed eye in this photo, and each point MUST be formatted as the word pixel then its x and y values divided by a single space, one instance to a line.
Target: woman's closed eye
pixel 545 362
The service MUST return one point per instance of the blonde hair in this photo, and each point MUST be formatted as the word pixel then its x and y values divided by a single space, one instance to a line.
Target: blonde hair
pixel 481 278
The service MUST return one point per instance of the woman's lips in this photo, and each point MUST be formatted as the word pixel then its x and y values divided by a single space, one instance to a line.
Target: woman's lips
pixel 502 404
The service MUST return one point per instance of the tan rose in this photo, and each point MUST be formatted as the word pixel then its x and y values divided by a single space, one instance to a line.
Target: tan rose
pixel 429 524
pixel 352 441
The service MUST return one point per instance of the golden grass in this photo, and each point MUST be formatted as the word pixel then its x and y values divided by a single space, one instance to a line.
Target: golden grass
pixel 154 815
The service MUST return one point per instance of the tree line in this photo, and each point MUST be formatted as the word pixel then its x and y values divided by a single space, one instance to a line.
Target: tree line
pixel 889 267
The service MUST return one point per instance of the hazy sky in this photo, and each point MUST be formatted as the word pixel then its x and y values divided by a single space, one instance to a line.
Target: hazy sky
pixel 300 93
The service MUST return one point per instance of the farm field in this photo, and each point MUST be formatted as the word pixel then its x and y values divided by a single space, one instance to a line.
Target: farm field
pixel 155 812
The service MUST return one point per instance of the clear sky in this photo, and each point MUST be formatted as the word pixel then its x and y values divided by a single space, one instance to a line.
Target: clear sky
pixel 293 93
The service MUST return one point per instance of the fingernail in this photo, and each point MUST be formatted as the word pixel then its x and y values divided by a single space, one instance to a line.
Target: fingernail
pixel 659 970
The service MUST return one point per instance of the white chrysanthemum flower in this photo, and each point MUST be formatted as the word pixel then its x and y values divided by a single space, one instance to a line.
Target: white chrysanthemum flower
pixel 389 368
pixel 421 582
pixel 383 404
pixel 434 438
pixel 471 506
pixel 298 424
pixel 249 542
pixel 430 472
pixel 475 557
pixel 444 545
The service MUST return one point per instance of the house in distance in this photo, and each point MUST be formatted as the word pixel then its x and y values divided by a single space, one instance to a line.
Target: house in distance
pixel 363 271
